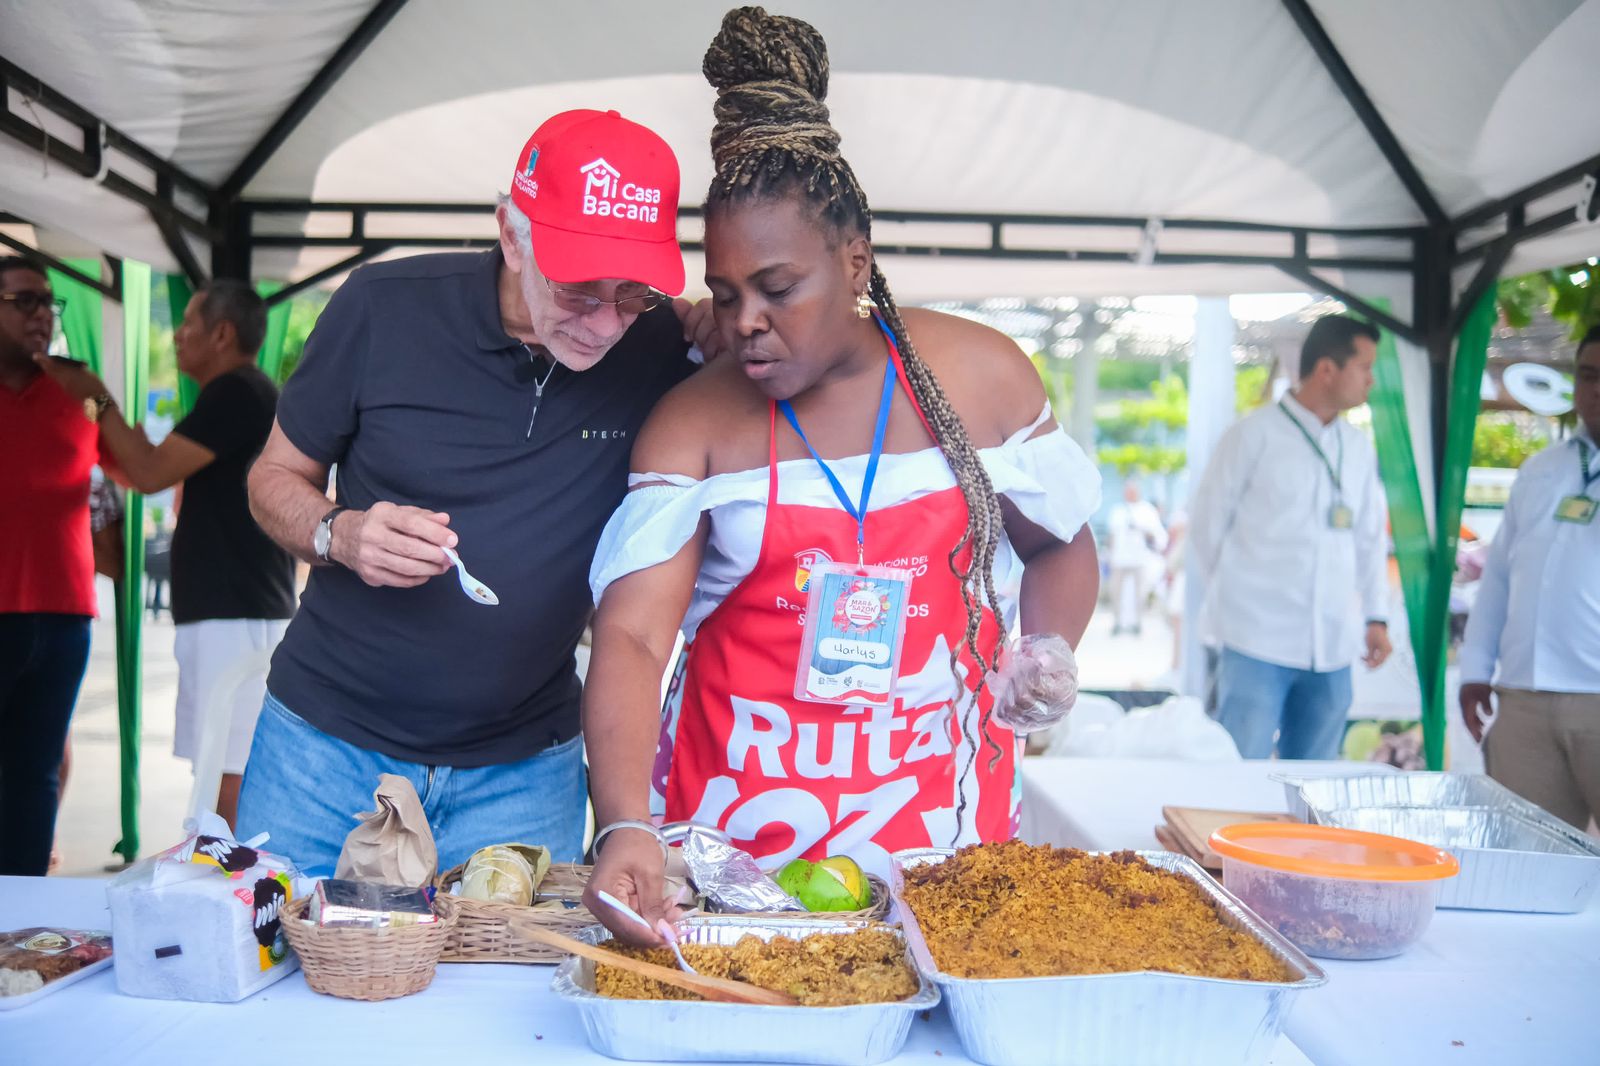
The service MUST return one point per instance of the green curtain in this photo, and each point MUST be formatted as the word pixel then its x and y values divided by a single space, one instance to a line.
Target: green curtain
pixel 130 608
pixel 178 293
pixel 1427 563
pixel 1397 464
pixel 80 322
pixel 271 357
pixel 1466 381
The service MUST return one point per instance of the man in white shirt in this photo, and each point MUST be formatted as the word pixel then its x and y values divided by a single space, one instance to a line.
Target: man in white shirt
pixel 1289 529
pixel 1135 539
pixel 1538 615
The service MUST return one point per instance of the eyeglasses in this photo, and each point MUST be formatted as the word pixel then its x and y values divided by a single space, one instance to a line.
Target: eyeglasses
pixel 582 303
pixel 29 302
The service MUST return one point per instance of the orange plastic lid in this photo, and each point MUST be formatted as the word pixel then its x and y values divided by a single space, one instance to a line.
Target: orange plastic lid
pixel 1325 851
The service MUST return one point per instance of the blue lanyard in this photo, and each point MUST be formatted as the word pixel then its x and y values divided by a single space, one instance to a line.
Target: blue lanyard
pixel 1583 458
pixel 858 513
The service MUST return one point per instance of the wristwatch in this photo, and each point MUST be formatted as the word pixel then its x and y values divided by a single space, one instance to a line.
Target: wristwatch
pixel 322 539
pixel 95 406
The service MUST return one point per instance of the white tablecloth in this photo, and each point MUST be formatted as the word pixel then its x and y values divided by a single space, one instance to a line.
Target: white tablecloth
pixel 473 1013
pixel 1480 987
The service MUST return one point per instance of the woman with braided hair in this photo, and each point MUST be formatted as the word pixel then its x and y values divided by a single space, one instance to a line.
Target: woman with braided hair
pixel 913 497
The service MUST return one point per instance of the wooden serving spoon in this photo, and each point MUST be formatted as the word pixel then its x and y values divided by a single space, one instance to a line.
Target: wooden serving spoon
pixel 714 988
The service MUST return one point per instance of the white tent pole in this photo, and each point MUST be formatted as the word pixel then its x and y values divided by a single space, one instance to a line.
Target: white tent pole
pixel 112 355
pixel 1211 412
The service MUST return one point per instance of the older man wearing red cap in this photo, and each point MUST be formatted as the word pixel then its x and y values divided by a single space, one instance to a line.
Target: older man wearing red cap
pixel 482 404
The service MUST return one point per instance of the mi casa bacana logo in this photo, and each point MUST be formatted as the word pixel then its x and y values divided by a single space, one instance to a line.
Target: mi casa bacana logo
pixel 607 195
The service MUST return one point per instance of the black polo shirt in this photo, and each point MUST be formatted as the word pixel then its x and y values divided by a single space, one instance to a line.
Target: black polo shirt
pixel 411 385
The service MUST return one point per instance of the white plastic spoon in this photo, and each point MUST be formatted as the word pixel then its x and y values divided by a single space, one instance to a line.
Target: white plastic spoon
pixel 477 590
pixel 663 929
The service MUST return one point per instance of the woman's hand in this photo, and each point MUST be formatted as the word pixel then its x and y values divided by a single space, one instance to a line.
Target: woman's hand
pixel 631 868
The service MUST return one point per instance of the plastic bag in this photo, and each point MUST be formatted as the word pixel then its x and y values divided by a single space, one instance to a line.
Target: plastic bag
pixel 505 873
pixel 1176 729
pixel 201 921
pixel 1036 684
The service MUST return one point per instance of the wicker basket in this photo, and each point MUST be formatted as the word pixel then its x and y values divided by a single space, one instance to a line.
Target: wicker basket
pixel 368 964
pixel 484 931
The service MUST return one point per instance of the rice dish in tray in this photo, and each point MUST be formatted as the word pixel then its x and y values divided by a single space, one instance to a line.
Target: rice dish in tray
pixel 821 970
pixel 1018 910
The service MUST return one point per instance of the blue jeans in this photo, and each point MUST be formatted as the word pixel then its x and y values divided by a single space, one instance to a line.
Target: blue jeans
pixel 302 786
pixel 42 660
pixel 1304 709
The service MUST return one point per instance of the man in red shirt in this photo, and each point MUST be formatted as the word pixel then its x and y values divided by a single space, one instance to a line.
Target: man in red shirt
pixel 49 442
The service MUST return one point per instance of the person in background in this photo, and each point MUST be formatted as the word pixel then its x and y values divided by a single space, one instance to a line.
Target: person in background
pixel 1135 540
pixel 47 599
pixel 232 588
pixel 1288 527
pixel 1534 630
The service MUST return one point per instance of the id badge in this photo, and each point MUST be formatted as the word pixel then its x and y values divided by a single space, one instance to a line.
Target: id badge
pixel 855 622
pixel 1341 517
pixel 1579 509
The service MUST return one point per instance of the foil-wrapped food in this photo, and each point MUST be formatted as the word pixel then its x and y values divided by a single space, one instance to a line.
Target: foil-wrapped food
pixel 729 878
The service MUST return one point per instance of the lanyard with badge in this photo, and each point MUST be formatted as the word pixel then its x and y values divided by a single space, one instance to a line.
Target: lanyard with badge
pixel 1339 515
pixel 855 615
pixel 1580 507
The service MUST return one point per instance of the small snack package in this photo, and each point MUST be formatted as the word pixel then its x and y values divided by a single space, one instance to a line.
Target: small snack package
pixel 201 921
pixel 392 844
pixel 364 905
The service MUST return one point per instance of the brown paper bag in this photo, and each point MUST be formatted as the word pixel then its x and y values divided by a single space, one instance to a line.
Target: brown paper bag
pixel 391 845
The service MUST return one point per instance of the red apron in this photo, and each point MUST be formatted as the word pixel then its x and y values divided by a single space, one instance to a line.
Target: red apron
pixel 788 778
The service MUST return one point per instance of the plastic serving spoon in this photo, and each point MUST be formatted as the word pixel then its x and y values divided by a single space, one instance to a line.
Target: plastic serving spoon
pixel 477 590
pixel 664 929
pixel 714 988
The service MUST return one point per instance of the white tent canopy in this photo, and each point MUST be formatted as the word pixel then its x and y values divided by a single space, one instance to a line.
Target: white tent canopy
pixel 1138 110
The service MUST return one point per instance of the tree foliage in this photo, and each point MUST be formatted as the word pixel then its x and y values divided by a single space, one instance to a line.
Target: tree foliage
pixel 1568 294
pixel 1499 440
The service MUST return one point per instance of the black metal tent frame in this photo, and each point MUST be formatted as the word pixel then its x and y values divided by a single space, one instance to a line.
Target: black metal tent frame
pixel 182 205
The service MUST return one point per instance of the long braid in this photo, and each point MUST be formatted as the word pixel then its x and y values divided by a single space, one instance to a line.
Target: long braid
pixel 773 139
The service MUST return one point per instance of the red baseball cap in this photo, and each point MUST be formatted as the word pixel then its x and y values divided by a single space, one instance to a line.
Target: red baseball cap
pixel 602 194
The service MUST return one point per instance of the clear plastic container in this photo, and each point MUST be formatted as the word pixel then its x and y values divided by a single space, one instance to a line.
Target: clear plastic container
pixel 1334 893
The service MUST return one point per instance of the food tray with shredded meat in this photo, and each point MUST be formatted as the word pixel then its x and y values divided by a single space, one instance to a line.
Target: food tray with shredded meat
pixel 1117 956
pixel 694 1030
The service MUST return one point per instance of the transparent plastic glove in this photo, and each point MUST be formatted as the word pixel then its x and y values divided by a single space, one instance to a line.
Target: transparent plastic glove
pixel 1036 684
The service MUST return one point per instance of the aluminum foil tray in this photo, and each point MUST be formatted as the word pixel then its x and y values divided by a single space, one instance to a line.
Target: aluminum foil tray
pixel 1508 862
pixel 698 1031
pixel 1514 855
pixel 1154 1018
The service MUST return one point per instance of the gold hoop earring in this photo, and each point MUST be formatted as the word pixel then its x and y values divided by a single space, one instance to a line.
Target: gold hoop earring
pixel 864 306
